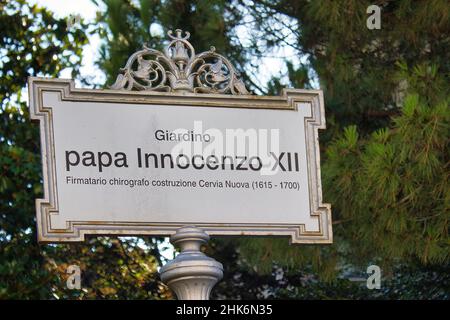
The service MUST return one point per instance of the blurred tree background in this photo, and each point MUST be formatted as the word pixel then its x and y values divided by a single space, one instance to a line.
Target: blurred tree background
pixel 385 159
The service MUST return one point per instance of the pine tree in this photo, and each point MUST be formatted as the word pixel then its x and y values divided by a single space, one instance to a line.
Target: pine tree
pixel 390 188
pixel 386 175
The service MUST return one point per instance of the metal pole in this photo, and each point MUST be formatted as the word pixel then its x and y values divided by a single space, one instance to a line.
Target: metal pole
pixel 192 274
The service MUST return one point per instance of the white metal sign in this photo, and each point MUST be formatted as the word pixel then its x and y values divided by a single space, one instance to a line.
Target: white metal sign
pixel 118 162
pixel 149 162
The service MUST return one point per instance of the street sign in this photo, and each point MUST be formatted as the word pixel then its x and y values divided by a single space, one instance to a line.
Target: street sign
pixel 178 151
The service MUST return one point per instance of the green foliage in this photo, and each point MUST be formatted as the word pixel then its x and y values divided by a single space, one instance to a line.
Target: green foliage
pixel 409 281
pixel 120 268
pixel 32 37
pixel 390 190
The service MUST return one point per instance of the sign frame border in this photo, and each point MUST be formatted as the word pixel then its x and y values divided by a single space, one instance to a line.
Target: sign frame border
pixel 77 230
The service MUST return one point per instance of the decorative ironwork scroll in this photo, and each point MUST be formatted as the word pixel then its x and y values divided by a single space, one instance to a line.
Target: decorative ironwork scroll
pixel 179 68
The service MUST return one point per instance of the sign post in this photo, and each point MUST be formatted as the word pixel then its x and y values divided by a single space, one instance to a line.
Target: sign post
pixel 191 275
pixel 178 141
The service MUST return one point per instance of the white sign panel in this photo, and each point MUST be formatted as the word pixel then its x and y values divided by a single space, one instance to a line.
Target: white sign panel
pixel 134 163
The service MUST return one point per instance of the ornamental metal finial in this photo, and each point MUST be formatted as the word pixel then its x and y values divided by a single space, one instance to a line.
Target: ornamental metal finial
pixel 179 69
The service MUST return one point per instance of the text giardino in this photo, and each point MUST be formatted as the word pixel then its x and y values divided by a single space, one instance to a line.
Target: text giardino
pixel 284 161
